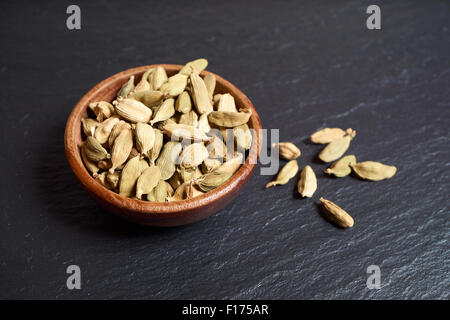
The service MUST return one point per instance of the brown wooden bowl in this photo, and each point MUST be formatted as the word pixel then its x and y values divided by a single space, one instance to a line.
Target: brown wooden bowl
pixel 150 213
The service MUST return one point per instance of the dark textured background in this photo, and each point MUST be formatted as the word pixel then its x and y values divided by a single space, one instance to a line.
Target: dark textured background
pixel 304 66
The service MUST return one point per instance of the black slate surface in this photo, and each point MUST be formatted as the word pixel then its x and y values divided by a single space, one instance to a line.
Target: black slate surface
pixel 304 66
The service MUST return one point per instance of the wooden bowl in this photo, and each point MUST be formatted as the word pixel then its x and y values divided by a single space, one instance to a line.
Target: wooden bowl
pixel 149 213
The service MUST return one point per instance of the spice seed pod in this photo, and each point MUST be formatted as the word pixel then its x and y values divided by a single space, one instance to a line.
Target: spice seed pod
pixel 341 168
pixel 287 150
pixel 307 184
pixel 285 174
pixel 335 149
pixel 374 171
pixel 336 214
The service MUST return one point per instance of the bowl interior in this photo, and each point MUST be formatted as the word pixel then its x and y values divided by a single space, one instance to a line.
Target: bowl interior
pixel 106 90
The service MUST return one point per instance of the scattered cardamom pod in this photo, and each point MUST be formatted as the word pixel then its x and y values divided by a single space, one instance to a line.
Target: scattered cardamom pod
pixel 336 214
pixel 335 149
pixel 287 150
pixel 327 135
pixel 307 184
pixel 286 173
pixel 147 181
pixel 374 171
pixel 341 168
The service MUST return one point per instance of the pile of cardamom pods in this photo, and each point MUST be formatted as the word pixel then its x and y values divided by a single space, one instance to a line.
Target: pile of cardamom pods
pixel 337 143
pixel 166 138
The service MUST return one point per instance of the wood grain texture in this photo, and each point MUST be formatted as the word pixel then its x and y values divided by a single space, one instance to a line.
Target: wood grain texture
pixel 304 66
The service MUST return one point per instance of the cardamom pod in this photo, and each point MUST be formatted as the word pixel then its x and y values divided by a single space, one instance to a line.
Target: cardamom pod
pixel 168 158
pixel 232 165
pixel 197 66
pixel 307 184
pixel 212 180
pixel 327 135
pixel 374 171
pixel 203 123
pixel 104 129
pixel 188 174
pixel 336 214
pixel 160 193
pixel 229 119
pixel 89 126
pixel 210 83
pixel 113 179
pixel 176 180
pixel 335 149
pixel 133 111
pixel 158 78
pixel 183 103
pixel 210 165
pixel 175 85
pixel 145 137
pixel 164 112
pixel 190 118
pixel 216 148
pixel 121 149
pixel 184 132
pixel 147 181
pixel 287 150
pixel 117 129
pixel 143 85
pixel 94 150
pixel 226 103
pixel 130 175
pixel 101 178
pixel 126 88
pixel 341 168
pixel 200 95
pixel 286 173
pixel 157 146
pixel 150 98
pixel 90 165
pixel 102 110
pixel 193 155
pixel 243 137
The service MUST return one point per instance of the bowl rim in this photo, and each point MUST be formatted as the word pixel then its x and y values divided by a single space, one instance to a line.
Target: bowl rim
pixel 143 208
